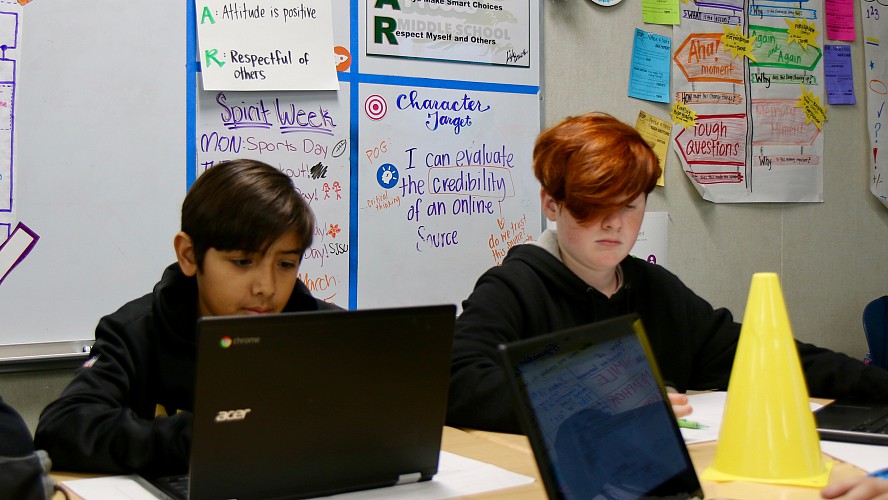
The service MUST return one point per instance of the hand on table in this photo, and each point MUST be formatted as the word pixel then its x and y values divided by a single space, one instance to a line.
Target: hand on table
pixel 858 488
pixel 680 405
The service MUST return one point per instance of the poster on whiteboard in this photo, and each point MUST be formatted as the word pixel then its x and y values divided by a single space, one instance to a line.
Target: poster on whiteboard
pixel 486 32
pixel 273 45
pixel 306 136
pixel 442 195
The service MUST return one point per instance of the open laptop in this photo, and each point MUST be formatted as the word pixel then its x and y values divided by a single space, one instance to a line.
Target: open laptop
pixel 593 405
pixel 853 422
pixel 298 405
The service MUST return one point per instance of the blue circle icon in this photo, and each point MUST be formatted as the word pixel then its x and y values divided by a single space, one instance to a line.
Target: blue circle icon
pixel 387 175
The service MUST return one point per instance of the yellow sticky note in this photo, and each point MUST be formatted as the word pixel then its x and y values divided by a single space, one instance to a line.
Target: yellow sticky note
pixel 656 133
pixel 738 43
pixel 660 12
pixel 814 111
pixel 801 33
pixel 683 115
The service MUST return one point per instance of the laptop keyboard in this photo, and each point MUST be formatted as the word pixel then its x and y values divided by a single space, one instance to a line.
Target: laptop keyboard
pixel 878 426
pixel 175 486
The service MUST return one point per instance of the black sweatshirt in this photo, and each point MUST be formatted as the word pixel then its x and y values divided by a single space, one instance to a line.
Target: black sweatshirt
pixel 143 356
pixel 15 438
pixel 533 293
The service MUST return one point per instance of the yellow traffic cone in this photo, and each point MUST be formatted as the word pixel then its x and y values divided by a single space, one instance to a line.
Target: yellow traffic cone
pixel 768 433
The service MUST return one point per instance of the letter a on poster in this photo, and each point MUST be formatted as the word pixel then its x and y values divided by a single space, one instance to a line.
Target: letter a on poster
pixel 272 45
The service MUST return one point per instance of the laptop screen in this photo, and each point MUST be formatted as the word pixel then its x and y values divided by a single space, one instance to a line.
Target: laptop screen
pixel 593 406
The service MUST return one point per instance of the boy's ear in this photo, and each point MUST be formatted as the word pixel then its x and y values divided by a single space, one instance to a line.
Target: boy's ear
pixel 549 205
pixel 185 253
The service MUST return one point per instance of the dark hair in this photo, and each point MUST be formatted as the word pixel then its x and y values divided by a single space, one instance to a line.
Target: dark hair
pixel 244 205
pixel 594 164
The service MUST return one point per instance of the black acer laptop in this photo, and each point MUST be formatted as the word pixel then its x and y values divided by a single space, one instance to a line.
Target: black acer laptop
pixel 853 422
pixel 594 408
pixel 300 405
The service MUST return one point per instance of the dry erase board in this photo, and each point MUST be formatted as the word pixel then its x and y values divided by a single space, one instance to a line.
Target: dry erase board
pixel 418 167
pixel 95 167
pixel 109 126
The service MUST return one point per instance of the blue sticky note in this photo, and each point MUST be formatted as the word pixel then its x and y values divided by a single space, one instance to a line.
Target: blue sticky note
pixel 649 79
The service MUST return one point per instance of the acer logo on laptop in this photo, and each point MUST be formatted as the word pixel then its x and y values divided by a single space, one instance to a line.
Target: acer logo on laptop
pixel 232 415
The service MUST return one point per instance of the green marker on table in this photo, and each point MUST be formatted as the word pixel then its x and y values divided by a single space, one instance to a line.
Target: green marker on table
pixel 689 424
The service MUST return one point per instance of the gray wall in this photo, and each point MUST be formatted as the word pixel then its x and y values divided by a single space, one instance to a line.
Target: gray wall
pixel 29 392
pixel 828 255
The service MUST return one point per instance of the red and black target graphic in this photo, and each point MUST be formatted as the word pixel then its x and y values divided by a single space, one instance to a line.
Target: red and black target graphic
pixel 375 107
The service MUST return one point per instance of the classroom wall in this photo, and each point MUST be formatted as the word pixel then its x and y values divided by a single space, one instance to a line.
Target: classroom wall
pixel 29 392
pixel 830 256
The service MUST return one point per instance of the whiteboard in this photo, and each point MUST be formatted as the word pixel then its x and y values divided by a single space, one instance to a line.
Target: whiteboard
pixel 374 245
pixel 99 148
pixel 109 120
pixel 462 200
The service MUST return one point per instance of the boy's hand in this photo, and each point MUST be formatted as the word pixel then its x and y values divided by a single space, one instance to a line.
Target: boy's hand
pixel 857 488
pixel 679 403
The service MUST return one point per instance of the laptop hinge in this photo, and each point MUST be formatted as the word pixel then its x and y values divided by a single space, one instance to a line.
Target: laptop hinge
pixel 409 478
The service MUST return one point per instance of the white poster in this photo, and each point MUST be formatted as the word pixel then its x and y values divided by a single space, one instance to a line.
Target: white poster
pixel 652 244
pixel 306 136
pixel 487 32
pixel 267 45
pixel 874 31
pixel 748 101
pixel 446 189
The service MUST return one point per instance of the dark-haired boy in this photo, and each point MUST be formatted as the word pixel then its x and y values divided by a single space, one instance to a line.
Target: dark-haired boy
pixel 244 230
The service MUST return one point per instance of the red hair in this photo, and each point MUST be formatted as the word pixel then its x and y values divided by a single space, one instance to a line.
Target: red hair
pixel 594 164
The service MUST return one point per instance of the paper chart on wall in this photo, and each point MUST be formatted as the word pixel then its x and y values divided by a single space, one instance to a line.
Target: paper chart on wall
pixel 747 76
pixel 306 136
pixel 875 33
